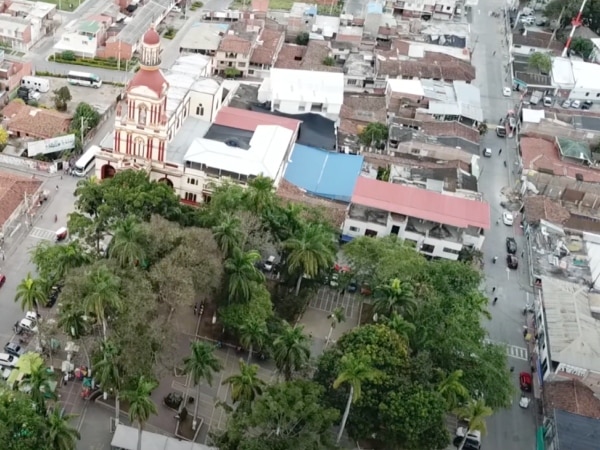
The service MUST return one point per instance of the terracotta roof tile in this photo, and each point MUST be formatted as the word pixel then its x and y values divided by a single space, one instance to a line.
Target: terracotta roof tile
pixel 539 207
pixel 454 128
pixel 571 396
pixel 34 122
pixel 537 39
pixel 152 79
pixel 12 191
pixel 358 110
pixel 235 44
pixel 432 66
pixel 265 52
pixel 316 52
pixel 290 56
pixel 244 119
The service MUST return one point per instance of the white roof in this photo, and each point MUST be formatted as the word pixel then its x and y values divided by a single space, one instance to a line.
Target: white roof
pixel 586 74
pixel 562 73
pixel 533 115
pixel 126 438
pixel 307 86
pixel 413 87
pixel 185 76
pixel 268 148
pixel 204 36
pixel 573 333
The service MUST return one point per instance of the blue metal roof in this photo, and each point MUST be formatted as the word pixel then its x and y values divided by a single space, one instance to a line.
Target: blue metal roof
pixel 325 174
pixel 374 8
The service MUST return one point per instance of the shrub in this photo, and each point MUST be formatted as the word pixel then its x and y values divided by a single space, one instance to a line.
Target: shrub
pixel 68 55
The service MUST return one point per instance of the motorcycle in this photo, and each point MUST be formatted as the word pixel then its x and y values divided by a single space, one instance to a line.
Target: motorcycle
pixel 528 309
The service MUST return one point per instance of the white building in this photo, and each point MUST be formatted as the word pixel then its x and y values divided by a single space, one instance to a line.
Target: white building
pixel 580 77
pixel 440 225
pixel 82 38
pixel 303 91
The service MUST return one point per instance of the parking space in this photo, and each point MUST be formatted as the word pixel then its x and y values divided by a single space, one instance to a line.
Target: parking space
pixel 101 99
pixel 328 299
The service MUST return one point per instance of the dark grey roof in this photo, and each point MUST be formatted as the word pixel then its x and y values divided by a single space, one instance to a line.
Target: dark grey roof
pixel 449 40
pixel 464 144
pixel 586 123
pixel 401 134
pixel 315 130
pixel 452 177
pixel 231 136
pixel 575 432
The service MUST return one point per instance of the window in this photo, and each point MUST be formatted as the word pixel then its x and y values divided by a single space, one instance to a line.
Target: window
pixel 276 104
pixel 142 115
pixel 427 248
pixel 598 95
pixel 316 107
pixel 251 72
pixel 587 94
pixel 241 64
pixel 301 108
pixel 139 147
pixel 200 110
pixel 190 197
pixel 451 250
pixel 355 229
pixel 395 229
pixel 352 82
pixel 193 181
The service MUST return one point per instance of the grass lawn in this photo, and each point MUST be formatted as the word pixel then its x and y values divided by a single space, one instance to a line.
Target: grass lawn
pixel 65 5
pixel 273 4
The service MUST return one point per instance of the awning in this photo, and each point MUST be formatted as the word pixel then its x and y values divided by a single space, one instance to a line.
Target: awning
pixel 539 437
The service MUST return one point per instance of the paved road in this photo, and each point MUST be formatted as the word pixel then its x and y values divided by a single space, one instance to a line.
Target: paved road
pixel 513 428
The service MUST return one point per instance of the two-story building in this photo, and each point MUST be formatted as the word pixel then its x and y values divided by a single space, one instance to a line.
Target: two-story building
pixel 24 23
pixel 84 38
pixel 440 225
pixel 425 9
pixel 265 52
pixel 232 57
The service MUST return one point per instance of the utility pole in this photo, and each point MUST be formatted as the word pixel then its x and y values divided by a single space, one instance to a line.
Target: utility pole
pixel 576 22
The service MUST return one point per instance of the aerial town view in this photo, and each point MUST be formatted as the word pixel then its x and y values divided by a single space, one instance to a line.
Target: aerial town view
pixel 276 225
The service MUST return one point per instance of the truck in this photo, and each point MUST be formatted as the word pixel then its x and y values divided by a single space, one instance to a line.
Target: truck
pixel 536 96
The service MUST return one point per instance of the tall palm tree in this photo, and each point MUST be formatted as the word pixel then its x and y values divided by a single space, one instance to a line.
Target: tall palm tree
pixel 400 326
pixel 60 434
pixel 30 292
pixel 242 272
pixel 228 234
pixel 102 294
pixel 395 297
pixel 128 245
pixel 37 384
pixel 107 372
pixel 310 252
pixel 354 370
pixel 253 333
pixel 259 195
pixel 336 316
pixel 246 385
pixel 201 365
pixel 72 321
pixel 453 391
pixel 474 412
pixel 141 406
pixel 291 350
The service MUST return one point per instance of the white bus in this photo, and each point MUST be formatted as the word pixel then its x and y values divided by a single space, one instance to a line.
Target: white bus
pixel 84 79
pixel 36 83
pixel 86 162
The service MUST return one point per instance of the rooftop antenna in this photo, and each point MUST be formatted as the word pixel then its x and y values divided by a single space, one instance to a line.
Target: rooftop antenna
pixel 576 22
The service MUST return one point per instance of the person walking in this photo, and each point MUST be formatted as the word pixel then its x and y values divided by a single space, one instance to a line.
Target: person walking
pixel 495 300
pixel 499 152
pixel 493 289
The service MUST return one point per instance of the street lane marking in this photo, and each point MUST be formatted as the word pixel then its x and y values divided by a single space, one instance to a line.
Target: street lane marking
pixel 512 351
pixel 42 233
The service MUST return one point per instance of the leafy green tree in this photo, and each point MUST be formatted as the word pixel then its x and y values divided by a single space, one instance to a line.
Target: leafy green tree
pixel 21 426
pixel 583 46
pixel 90 116
pixel 291 350
pixel 61 98
pixel 400 326
pixel 288 416
pixel 228 234
pixel 310 252
pixel 453 390
pixel 30 293
pixel 3 137
pixel 541 62
pixel 260 194
pixel 353 371
pixel 141 406
pixel 258 309
pixel 336 316
pixel 241 273
pixel 129 244
pixel 201 365
pixel 302 38
pixel 37 385
pixel 253 333
pixel 102 294
pixel 245 386
pixel 474 412
pixel 374 134
pixel 54 261
pixel 396 297
pixel 107 371
pixel 61 436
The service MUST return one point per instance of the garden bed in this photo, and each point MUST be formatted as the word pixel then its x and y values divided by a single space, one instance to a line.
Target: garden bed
pixel 109 63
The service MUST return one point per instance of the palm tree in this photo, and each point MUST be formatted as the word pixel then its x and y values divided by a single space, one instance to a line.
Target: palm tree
pixel 73 322
pixel 242 272
pixel 141 405
pixel 310 252
pixel 291 350
pixel 228 234
pixel 37 384
pixel 259 194
pixel 30 293
pixel 336 316
pixel 475 413
pixel 60 434
pixel 453 390
pixel 395 297
pixel 400 326
pixel 245 386
pixel 354 371
pixel 107 372
pixel 128 245
pixel 102 294
pixel 253 333
pixel 201 365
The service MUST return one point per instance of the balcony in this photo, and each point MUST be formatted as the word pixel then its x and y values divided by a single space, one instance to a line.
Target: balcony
pixel 368 215
pixel 434 230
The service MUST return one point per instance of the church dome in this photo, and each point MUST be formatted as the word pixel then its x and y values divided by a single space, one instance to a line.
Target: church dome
pixel 151 37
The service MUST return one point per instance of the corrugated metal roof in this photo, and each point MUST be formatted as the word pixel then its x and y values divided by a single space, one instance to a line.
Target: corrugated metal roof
pixel 249 120
pixel 575 432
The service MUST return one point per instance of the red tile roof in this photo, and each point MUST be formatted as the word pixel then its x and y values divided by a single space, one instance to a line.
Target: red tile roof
pixel 235 44
pixel 12 191
pixel 34 122
pixel 542 155
pixel 421 203
pixel 152 79
pixel 151 37
pixel 243 119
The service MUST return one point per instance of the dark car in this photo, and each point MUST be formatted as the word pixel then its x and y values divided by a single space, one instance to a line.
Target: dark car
pixel 512 262
pixel 13 349
pixel 352 287
pixel 53 297
pixel 511 245
pixel 586 105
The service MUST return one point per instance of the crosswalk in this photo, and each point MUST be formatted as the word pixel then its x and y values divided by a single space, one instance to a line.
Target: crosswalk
pixel 42 233
pixel 513 351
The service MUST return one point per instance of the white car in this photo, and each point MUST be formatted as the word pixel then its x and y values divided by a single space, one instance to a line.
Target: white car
pixel 176 9
pixel 487 152
pixel 507 218
pixel 506 92
pixel 576 104
pixel 7 360
pixel 268 265
pixel 529 20
pixel 28 325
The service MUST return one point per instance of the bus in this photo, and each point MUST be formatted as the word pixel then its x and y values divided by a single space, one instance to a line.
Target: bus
pixel 86 162
pixel 84 79
pixel 36 83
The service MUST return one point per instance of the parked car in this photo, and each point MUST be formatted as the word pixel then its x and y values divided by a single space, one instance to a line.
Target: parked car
pixel 2 279
pixel 472 441
pixel 587 104
pixel 512 262
pixel 566 104
pixel 529 20
pixel 28 325
pixel 12 348
pixel 5 373
pixel 501 131
pixel 511 245
pixel 507 218
pixel 53 297
pixel 576 104
pixel 352 287
pixel 506 91
pixel 268 264
pixel 176 9
pixel 487 152
pixel 7 360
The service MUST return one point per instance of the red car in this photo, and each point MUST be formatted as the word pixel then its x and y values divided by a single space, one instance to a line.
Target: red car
pixel 2 279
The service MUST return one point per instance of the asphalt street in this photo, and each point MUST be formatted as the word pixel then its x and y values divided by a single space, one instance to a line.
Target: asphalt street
pixel 513 428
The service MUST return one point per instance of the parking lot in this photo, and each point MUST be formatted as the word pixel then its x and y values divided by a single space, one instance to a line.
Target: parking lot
pixel 101 99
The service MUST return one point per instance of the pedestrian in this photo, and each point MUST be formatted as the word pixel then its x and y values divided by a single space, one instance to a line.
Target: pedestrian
pixel 523 254
pixel 495 300
pixel 494 53
pixel 494 259
pixel 196 309
pixel 57 187
pixel 499 153
pixel 493 289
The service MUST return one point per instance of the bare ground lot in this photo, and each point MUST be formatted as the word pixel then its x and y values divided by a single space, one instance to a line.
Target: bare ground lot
pixel 101 98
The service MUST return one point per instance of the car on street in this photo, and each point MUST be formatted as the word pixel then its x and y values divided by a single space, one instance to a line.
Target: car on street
pixel 506 91
pixel 587 104
pixel 2 279
pixel 176 9
pixel 12 348
pixel 511 245
pixel 566 104
pixel 512 262
pixel 528 20
pixel 472 441
pixel 501 131
pixel 576 104
pixel 28 325
pixel 7 360
pixel 5 373
pixel 268 264
pixel 507 218
pixel 487 152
